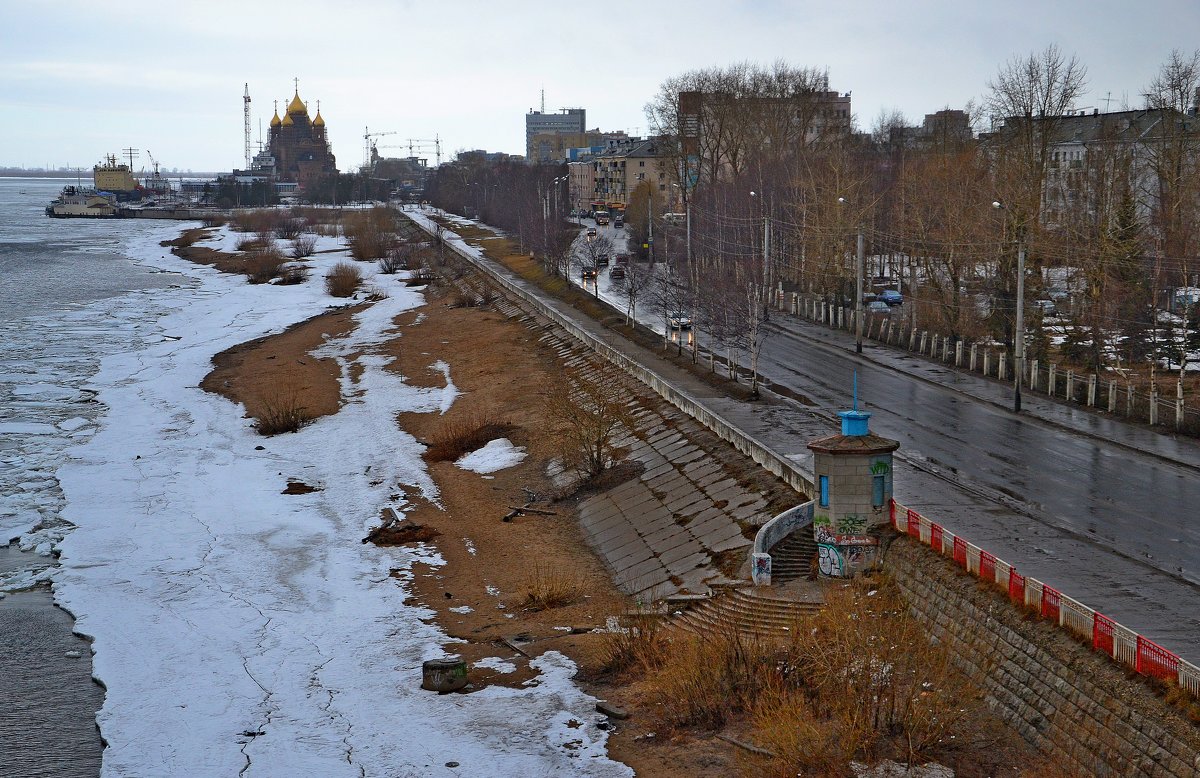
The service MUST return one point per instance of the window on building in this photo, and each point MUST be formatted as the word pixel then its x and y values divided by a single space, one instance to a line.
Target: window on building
pixel 824 497
pixel 877 491
pixel 642 163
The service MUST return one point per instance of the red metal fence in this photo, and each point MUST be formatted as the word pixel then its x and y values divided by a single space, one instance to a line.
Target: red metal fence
pixel 1121 643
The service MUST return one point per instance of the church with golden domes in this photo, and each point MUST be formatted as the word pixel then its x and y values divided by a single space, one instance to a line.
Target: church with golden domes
pixel 299 145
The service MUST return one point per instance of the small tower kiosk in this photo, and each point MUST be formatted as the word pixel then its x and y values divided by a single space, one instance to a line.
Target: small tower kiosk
pixel 853 474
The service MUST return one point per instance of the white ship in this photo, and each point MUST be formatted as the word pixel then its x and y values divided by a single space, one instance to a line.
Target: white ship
pixel 78 203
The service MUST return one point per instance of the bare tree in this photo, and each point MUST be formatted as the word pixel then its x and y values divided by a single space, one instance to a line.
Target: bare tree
pixel 591 414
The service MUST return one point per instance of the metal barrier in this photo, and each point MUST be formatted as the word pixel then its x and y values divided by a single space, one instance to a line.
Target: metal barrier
pixel 1125 646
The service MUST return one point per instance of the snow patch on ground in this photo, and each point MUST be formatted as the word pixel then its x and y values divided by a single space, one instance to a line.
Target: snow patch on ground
pixel 496 455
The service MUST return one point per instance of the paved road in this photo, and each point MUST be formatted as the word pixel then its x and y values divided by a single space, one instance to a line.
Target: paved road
pixel 1106 512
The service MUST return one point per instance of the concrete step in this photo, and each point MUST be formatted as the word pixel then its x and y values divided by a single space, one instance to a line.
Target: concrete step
pixel 745 611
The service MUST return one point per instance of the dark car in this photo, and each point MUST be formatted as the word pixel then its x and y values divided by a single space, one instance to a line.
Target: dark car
pixel 620 222
pixel 602 260
pixel 591 231
pixel 891 297
pixel 588 273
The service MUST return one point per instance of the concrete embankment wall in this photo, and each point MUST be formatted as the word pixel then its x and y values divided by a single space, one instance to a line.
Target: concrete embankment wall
pixel 775 465
pixel 1074 704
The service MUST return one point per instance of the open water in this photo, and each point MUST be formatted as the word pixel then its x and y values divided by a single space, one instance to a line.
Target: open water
pixel 70 293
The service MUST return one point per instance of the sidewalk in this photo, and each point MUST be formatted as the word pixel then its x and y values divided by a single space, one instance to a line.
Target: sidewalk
pixel 1158 443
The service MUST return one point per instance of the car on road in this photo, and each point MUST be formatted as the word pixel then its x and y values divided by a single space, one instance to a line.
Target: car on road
pixel 588 272
pixel 619 222
pixel 891 297
pixel 602 260
pixel 591 232
pixel 679 320
pixel 617 271
pixel 879 307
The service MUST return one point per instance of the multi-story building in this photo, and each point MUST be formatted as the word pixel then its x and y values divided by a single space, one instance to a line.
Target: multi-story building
pixel 568 121
pixel 623 166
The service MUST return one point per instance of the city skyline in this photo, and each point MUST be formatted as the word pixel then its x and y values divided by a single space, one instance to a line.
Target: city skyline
pixel 80 83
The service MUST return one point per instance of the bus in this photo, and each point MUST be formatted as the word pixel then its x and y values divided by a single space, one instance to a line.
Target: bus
pixel 601 217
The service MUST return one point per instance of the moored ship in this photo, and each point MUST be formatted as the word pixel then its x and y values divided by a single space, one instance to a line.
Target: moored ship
pixel 78 203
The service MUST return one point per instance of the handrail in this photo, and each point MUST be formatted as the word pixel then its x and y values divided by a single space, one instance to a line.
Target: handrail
pixel 1122 644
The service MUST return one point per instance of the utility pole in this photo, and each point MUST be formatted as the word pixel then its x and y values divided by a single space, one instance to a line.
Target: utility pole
pixel 858 294
pixel 766 269
pixel 650 223
pixel 1019 344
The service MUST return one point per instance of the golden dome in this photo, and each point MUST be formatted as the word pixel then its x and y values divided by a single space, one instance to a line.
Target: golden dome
pixel 287 120
pixel 318 122
pixel 275 119
pixel 297 105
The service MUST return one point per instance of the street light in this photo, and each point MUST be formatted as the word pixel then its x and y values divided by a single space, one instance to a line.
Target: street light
pixel 1019 335
pixel 858 285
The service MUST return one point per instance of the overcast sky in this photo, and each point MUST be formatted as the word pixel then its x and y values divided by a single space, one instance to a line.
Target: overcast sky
pixel 79 80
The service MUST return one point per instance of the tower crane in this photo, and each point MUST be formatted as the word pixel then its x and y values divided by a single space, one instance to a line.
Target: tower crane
pixel 423 143
pixel 369 144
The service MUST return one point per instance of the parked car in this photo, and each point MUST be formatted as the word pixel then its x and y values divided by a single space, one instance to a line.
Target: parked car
pixel 621 259
pixel 617 271
pixel 879 307
pixel 591 232
pixel 891 297
pixel 1047 307
pixel 679 320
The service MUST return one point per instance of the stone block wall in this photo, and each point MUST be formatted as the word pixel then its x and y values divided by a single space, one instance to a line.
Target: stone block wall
pixel 1076 705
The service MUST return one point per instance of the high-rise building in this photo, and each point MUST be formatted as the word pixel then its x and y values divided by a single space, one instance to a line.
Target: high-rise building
pixel 566 121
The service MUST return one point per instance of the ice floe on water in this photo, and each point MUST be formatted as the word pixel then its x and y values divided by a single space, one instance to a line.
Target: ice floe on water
pixel 240 630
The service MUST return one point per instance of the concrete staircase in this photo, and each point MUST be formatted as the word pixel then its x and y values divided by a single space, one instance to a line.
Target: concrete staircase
pixel 792 557
pixel 748 610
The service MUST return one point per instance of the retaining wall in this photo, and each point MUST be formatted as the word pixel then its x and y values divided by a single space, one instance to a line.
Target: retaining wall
pixel 512 287
pixel 1071 702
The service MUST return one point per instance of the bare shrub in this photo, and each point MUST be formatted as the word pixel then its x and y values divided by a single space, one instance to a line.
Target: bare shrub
pixel 462 298
pixel 263 265
pixel 397 259
pixel 303 246
pixel 281 412
pixel 256 220
pixel 293 274
pixel 550 587
pixel 371 234
pixel 640 646
pixel 709 678
pixel 214 221
pixel 289 228
pixel 461 435
pixel 329 230
pixel 343 280
pixel 590 415
pixel 250 244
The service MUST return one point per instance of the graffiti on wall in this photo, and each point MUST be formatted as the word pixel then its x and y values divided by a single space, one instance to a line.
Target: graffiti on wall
pixel 830 561
pixel 852 524
pixel 880 467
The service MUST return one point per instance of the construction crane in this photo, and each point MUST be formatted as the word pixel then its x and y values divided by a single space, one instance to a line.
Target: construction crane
pixel 369 144
pixel 246 122
pixel 423 145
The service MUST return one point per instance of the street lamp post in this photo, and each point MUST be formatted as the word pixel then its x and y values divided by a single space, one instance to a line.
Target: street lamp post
pixel 858 287
pixel 1019 325
pixel 687 209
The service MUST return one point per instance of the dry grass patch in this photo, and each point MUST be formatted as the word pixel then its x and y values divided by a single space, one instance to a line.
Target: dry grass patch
pixel 264 264
pixel 551 586
pixel 457 436
pixel 343 280
pixel 281 412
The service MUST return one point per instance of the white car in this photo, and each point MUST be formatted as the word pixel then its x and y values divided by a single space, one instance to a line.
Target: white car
pixel 679 321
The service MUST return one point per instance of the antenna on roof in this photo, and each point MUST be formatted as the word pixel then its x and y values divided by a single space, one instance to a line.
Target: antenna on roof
pixel 543 99
pixel 1107 101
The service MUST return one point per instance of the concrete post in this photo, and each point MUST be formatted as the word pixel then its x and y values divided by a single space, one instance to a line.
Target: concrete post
pixel 1002 366
pixel 922 349
pixel 1091 400
pixel 912 338
pixel 1033 374
pixel 1070 386
pixel 887 331
pixel 974 354
pixel 1053 379
pixel 987 362
pixel 1112 396
pixel 1153 407
pixel 795 304
pixel 1128 400
pixel 958 354
pixel 760 570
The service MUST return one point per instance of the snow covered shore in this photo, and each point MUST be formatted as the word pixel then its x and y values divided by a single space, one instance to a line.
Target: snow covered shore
pixel 239 630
